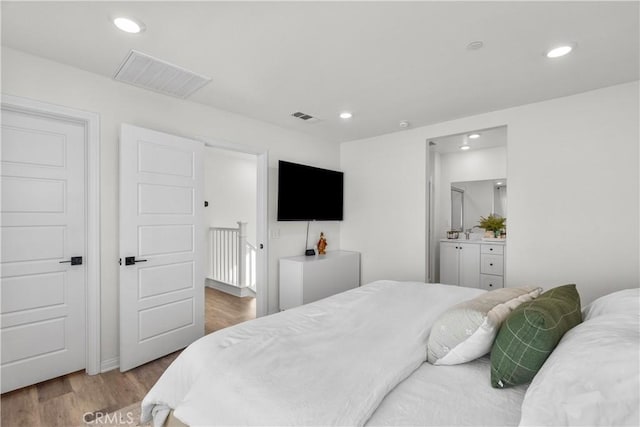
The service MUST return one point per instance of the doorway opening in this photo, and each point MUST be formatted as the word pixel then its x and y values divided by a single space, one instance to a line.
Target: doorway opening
pixel 467 180
pixel 232 233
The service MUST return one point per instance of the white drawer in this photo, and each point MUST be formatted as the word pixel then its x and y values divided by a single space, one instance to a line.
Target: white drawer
pixel 490 282
pixel 491 249
pixel 491 264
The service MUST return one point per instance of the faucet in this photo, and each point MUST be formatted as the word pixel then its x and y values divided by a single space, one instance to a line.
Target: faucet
pixel 468 231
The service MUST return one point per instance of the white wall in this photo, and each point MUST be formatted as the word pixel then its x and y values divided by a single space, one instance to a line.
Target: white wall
pixel 385 200
pixel 572 171
pixel 230 188
pixel 37 78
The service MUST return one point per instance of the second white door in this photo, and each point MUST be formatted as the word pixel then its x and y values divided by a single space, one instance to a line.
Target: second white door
pixel 161 244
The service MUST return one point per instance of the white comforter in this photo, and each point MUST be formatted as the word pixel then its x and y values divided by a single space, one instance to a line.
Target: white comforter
pixel 455 395
pixel 327 363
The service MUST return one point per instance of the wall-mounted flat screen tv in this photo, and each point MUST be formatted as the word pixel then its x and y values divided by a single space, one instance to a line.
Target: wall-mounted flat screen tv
pixel 307 193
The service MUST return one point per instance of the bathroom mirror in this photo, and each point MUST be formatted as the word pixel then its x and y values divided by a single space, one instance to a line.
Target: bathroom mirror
pixel 472 199
pixel 457 209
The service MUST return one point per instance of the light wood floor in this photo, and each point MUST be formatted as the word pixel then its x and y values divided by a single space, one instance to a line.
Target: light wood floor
pixel 64 401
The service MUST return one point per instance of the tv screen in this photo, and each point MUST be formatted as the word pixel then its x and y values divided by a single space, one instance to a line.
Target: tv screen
pixel 306 193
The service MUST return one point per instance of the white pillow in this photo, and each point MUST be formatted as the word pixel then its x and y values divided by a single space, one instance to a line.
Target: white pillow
pixel 620 302
pixel 466 331
pixel 592 378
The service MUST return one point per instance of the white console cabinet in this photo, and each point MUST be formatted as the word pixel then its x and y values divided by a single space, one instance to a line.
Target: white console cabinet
pixel 304 279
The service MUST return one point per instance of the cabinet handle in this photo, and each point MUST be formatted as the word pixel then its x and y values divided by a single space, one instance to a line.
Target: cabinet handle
pixel 490 249
pixel 490 264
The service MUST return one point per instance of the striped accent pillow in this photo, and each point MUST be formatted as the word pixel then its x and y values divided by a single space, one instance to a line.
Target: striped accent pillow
pixel 466 331
pixel 530 334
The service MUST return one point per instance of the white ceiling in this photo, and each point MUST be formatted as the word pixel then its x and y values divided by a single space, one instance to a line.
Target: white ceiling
pixel 385 61
pixel 489 138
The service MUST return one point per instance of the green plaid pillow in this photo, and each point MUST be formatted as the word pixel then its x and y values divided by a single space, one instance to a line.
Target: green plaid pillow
pixel 530 334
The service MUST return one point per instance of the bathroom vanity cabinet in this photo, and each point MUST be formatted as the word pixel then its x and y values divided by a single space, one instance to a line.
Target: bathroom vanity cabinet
pixel 472 263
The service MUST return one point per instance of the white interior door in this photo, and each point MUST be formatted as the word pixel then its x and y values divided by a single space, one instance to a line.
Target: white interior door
pixel 161 244
pixel 43 227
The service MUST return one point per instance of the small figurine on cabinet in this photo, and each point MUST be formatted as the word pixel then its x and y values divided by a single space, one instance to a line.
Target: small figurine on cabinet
pixel 322 245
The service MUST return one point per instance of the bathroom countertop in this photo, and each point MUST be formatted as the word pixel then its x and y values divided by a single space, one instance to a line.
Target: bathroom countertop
pixel 478 241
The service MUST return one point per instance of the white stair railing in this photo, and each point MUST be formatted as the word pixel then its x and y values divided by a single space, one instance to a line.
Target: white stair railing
pixel 232 259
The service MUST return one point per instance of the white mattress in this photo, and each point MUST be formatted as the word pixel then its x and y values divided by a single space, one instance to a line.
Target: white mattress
pixel 459 395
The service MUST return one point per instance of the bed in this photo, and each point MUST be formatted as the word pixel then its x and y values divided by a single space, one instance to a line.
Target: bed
pixel 358 358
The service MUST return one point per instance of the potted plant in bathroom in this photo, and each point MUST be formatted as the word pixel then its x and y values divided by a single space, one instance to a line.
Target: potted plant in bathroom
pixel 493 224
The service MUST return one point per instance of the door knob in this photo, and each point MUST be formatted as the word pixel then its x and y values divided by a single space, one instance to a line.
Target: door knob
pixel 131 260
pixel 75 260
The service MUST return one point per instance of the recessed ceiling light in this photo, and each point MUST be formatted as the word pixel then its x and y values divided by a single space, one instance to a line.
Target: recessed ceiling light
pixel 465 147
pixel 559 51
pixel 128 25
pixel 346 115
pixel 474 136
pixel 404 124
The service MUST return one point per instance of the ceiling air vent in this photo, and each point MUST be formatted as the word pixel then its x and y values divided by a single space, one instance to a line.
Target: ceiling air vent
pixel 145 71
pixel 306 117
